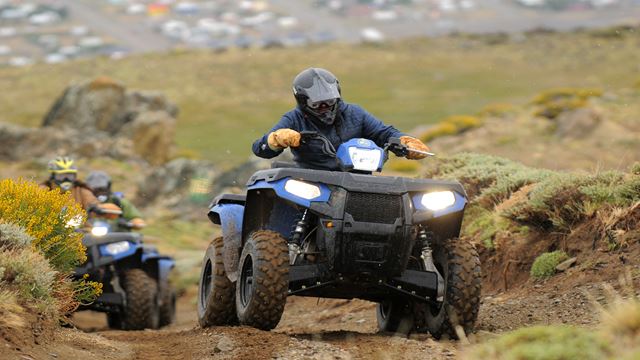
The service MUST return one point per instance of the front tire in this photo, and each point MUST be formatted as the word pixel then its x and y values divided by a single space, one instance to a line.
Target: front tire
pixel 459 264
pixel 141 309
pixel 263 281
pixel 394 316
pixel 168 306
pixel 216 293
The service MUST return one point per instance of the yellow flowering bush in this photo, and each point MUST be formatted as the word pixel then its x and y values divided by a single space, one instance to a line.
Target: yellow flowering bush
pixel 552 103
pixel 39 248
pixel 451 125
pixel 45 215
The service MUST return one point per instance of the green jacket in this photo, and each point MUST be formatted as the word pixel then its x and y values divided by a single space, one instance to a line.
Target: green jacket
pixel 129 211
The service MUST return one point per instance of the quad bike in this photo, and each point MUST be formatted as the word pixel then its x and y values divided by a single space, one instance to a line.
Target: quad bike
pixel 137 293
pixel 342 234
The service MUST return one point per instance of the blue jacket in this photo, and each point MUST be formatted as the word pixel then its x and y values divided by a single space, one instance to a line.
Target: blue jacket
pixel 352 122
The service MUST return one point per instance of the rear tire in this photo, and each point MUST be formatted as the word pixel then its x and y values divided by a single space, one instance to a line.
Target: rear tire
pixel 141 309
pixel 216 293
pixel 459 264
pixel 263 281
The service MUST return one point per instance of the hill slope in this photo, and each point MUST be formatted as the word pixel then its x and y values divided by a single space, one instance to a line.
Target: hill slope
pixel 229 99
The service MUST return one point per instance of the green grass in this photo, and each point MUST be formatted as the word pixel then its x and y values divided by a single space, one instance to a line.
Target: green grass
pixel 227 100
pixel 545 265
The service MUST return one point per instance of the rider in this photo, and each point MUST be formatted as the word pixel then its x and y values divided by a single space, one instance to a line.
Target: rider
pixel 100 183
pixel 64 176
pixel 320 108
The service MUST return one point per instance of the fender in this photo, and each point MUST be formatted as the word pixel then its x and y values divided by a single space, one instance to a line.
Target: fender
pixel 159 267
pixel 229 217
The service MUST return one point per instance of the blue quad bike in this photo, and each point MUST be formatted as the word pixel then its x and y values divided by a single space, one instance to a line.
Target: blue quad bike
pixel 343 234
pixel 137 293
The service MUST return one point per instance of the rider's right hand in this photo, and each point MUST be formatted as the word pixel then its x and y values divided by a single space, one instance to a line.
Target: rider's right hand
pixel 283 138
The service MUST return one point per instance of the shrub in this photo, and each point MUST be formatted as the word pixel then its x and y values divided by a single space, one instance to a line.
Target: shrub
pixel 44 215
pixel 403 165
pixel 29 274
pixel 451 125
pixel 496 110
pixel 545 264
pixel 544 343
pixel 13 237
pixel 552 103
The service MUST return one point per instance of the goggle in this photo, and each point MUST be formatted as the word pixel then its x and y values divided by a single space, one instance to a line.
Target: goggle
pixel 60 178
pixel 318 104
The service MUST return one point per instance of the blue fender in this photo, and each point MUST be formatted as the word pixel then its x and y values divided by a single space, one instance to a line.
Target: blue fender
pixel 278 187
pixel 229 216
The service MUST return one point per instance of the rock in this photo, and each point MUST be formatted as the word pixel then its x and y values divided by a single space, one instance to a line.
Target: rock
pixel 97 112
pixel 92 105
pixel 172 181
pixel 152 135
pixel 565 265
pixel 225 344
pixel 578 123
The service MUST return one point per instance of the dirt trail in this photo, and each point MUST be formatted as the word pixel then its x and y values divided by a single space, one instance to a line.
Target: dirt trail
pixel 330 329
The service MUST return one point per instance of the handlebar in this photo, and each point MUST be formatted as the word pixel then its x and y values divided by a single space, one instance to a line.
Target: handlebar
pixel 394 145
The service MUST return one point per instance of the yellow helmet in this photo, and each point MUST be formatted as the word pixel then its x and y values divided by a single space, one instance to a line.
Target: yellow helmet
pixel 62 165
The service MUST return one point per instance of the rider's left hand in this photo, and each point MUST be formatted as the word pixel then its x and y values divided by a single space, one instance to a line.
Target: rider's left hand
pixel 138 223
pixel 413 143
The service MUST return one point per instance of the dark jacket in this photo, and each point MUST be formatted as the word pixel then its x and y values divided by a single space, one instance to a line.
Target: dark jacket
pixel 351 122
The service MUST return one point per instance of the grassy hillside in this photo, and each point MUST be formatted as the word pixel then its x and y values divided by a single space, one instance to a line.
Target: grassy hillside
pixel 227 100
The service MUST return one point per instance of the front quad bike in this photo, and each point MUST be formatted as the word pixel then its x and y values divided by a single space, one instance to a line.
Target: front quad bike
pixel 135 277
pixel 342 234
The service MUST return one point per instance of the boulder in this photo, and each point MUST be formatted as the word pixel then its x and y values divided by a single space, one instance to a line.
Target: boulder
pixel 171 183
pixel 577 124
pixel 98 118
pixel 152 134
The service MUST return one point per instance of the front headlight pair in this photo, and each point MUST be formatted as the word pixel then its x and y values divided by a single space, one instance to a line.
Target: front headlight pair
pixel 438 200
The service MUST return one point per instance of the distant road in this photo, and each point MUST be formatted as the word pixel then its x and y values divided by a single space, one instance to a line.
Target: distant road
pixel 136 37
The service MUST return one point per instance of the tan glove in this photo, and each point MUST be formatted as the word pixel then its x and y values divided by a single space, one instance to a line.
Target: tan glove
pixel 283 138
pixel 110 211
pixel 413 143
pixel 138 223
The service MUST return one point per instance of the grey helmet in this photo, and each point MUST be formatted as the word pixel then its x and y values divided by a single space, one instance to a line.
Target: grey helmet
pixel 100 183
pixel 318 94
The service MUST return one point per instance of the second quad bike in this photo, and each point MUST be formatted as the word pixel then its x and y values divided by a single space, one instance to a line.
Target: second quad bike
pixel 342 234
pixel 137 293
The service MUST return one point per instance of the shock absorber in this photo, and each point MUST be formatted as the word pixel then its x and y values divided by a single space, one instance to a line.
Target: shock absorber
pixel 427 259
pixel 298 232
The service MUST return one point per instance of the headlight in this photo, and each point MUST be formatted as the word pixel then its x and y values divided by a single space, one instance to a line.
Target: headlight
pixel 117 247
pixel 438 200
pixel 99 230
pixel 365 159
pixel 302 189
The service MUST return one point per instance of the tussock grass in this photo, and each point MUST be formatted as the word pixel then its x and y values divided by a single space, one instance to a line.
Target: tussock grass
pixel 545 265
pixel 555 201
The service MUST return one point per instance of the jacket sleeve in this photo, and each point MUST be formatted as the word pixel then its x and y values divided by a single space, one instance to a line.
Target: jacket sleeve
pixel 260 146
pixel 129 211
pixel 376 130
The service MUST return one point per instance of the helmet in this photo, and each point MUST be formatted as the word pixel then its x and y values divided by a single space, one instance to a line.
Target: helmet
pixel 62 165
pixel 318 94
pixel 100 183
pixel 63 172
